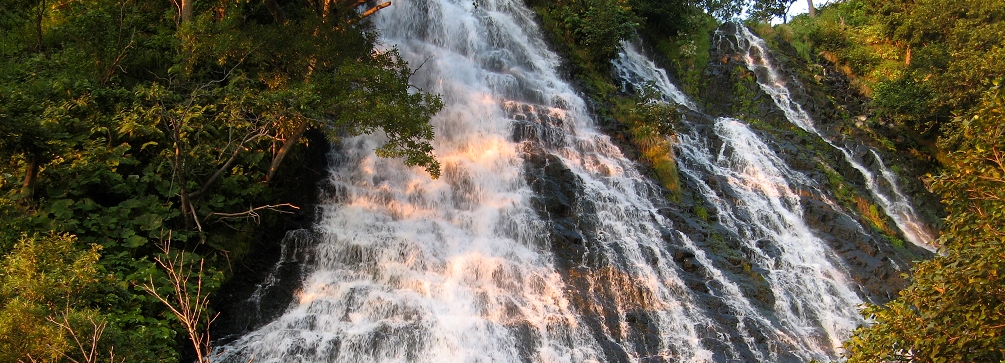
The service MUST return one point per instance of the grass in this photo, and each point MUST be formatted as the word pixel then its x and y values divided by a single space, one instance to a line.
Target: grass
pixel 654 145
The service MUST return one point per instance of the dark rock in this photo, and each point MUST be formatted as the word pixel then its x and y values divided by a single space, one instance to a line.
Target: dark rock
pixel 263 284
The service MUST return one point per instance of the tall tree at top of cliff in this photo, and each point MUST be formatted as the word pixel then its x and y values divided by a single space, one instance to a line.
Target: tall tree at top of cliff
pixel 766 10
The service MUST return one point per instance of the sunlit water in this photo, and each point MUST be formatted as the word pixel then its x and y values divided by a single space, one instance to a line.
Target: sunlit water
pixel 462 268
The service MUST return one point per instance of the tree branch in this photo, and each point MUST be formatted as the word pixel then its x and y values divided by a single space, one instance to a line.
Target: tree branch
pixel 287 145
pixel 217 174
pixel 253 212
pixel 370 12
pixel 89 352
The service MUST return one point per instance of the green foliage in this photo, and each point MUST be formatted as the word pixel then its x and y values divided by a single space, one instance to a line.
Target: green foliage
pixel 590 33
pixel 920 60
pixel 745 90
pixel 688 51
pixel 929 66
pixel 51 289
pixel 951 313
pixel 667 18
pixel 122 128
pixel 765 10
pixel 701 212
pixel 599 25
pixel 592 29
pixel 40 277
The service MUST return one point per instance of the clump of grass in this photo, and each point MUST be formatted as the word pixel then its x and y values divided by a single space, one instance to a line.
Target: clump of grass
pixel 701 212
pixel 871 213
pixel 651 123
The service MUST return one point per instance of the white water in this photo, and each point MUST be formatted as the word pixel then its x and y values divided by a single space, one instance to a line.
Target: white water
pixel 421 270
pixel 634 68
pixel 815 305
pixel 895 204
pixel 462 269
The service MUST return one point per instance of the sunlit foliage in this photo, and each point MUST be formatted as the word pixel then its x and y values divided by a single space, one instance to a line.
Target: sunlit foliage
pixel 955 309
pixel 651 123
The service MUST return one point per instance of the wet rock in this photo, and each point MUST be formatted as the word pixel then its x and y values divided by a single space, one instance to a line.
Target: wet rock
pixel 528 340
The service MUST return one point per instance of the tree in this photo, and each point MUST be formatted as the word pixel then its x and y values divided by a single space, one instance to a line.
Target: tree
pixel 954 311
pixel 43 276
pixel 187 299
pixel 596 26
pixel 766 10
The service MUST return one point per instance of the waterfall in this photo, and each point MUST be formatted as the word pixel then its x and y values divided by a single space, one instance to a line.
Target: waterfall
pixel 770 222
pixel 894 203
pixel 541 242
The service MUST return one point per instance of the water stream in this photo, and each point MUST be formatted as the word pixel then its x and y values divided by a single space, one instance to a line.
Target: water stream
pixel 894 203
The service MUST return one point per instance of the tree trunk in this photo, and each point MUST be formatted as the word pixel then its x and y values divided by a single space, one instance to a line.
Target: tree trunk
pixel 276 11
pixel 179 171
pixel 179 168
pixel 186 10
pixel 287 145
pixel 813 11
pixel 38 24
pixel 30 174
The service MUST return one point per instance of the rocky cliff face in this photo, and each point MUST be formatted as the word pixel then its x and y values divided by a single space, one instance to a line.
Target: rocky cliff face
pixel 874 260
pixel 877 258
pixel 877 261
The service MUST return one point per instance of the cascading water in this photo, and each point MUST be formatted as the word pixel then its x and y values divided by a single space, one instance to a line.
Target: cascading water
pixel 541 242
pixel 768 221
pixel 893 202
pixel 634 69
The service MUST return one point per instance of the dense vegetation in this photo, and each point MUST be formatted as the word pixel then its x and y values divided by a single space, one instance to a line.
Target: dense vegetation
pixel 932 70
pixel 130 126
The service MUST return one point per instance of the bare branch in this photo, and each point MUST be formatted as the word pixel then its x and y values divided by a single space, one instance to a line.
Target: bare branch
pixel 89 350
pixel 190 307
pixel 253 212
